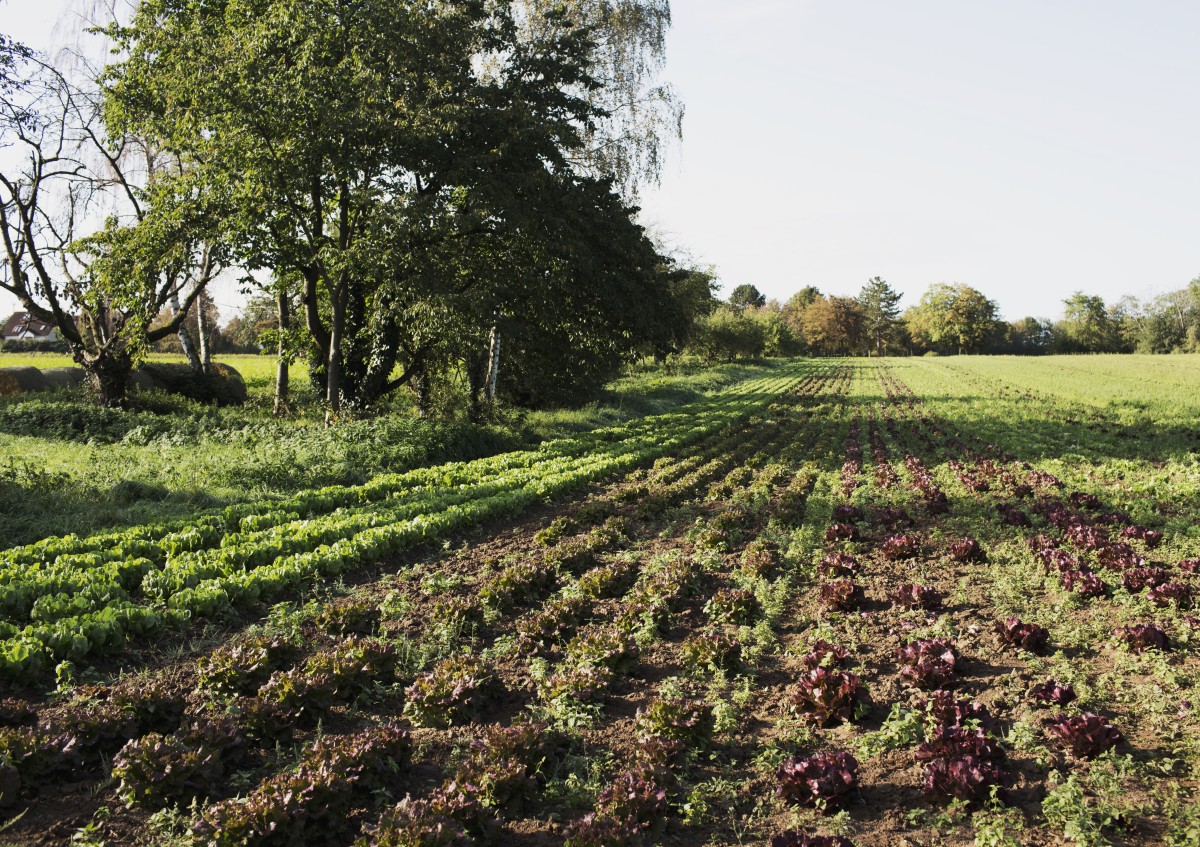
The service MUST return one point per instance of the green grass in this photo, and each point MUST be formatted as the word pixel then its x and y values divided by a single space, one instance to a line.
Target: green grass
pixel 67 466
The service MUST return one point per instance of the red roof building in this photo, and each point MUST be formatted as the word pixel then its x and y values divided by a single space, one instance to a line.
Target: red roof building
pixel 22 326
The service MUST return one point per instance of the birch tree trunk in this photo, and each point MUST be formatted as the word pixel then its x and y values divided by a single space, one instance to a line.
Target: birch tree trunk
pixel 202 331
pixel 185 338
pixel 281 366
pixel 493 364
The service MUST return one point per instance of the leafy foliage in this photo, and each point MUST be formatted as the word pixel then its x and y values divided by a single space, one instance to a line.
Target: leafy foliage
pixel 822 779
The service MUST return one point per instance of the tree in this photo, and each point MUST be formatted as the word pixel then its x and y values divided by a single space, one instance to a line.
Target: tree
pixel 954 318
pixel 746 296
pixel 833 326
pixel 1024 337
pixel 728 334
pixel 364 148
pixel 634 112
pixel 101 231
pixel 778 337
pixel 1086 326
pixel 881 313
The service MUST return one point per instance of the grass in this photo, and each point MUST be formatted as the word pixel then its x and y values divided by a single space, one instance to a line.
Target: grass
pixel 68 466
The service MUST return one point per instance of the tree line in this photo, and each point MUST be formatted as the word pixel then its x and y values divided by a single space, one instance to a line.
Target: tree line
pixel 948 319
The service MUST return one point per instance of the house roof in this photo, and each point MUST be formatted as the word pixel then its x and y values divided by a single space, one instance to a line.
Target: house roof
pixel 23 322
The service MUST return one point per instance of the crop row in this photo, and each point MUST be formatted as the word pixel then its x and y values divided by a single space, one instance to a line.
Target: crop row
pixel 78 608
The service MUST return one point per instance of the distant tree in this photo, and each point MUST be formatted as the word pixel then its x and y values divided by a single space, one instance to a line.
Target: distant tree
pixel 794 308
pixel 694 294
pixel 1087 326
pixel 833 326
pixel 881 314
pixel 952 318
pixel 746 296
pixel 728 334
pixel 778 337
pixel 1023 337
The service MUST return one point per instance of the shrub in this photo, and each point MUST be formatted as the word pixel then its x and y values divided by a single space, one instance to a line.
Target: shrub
pixel 826 697
pixel 823 779
pixel 1027 636
pixel 1087 735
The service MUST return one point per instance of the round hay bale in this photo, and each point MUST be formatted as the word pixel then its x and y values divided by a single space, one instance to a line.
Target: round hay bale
pixel 143 381
pixel 20 380
pixel 222 385
pixel 63 377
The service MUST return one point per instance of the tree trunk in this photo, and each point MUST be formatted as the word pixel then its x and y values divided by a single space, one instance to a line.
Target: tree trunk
pixel 423 390
pixel 185 338
pixel 203 332
pixel 281 367
pixel 109 376
pixel 333 365
pixel 493 364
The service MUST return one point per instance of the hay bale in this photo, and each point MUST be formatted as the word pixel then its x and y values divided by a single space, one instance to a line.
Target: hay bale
pixel 222 385
pixel 63 377
pixel 143 381
pixel 20 380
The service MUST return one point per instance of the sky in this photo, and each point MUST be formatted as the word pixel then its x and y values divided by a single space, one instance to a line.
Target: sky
pixel 1029 149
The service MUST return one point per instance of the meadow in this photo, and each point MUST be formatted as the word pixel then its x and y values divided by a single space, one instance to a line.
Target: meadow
pixel 818 603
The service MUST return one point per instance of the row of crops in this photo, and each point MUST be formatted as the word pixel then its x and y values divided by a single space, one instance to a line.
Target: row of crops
pixel 70 598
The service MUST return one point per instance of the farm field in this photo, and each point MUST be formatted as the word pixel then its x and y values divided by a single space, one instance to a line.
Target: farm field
pixel 896 601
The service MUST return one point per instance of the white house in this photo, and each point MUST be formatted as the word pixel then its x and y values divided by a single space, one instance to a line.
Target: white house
pixel 22 326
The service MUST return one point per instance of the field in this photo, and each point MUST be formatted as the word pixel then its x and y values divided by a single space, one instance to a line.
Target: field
pixel 889 602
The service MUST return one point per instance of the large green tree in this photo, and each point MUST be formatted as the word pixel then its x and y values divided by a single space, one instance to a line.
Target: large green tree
pixel 356 142
pixel 953 318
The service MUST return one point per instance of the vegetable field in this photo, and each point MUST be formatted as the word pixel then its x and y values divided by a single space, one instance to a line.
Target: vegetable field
pixel 870 602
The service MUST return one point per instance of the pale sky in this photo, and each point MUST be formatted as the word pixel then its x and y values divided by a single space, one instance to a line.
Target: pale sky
pixel 1026 148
